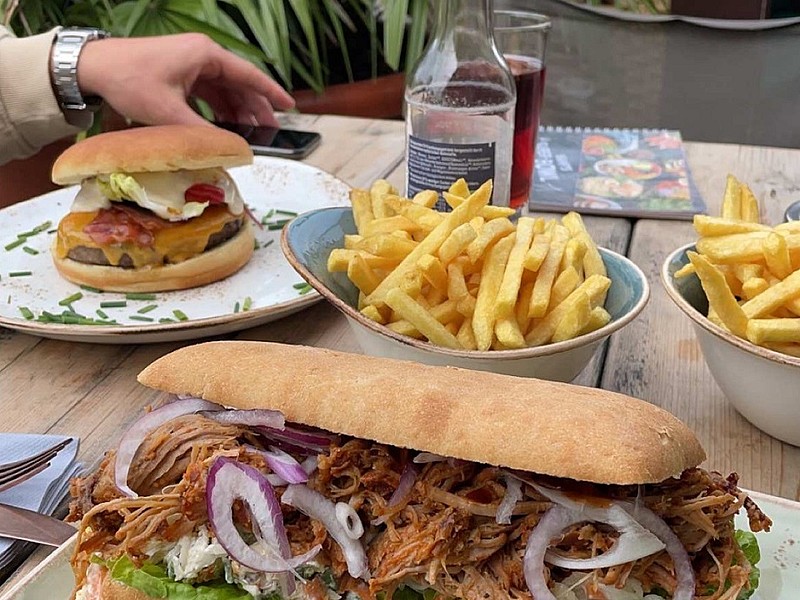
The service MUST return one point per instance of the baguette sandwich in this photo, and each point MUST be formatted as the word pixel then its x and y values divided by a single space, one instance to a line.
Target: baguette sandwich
pixel 284 472
pixel 156 209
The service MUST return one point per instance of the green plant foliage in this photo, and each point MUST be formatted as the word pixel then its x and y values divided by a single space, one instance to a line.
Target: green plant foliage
pixel 293 38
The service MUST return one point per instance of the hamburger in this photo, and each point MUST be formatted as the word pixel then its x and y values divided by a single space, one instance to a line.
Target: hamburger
pixel 155 211
pixel 285 472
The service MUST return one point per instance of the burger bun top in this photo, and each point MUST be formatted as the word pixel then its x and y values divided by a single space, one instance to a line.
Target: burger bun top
pixel 151 149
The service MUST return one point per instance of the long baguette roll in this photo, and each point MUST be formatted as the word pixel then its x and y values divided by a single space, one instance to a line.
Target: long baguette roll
pixel 539 426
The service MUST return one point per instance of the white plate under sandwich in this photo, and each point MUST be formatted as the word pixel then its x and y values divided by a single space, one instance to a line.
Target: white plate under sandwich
pixel 266 286
pixel 780 559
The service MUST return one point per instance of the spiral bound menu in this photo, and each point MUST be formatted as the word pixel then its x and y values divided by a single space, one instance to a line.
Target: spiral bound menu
pixel 620 172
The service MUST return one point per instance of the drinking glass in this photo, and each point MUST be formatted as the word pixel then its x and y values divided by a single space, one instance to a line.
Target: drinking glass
pixel 522 38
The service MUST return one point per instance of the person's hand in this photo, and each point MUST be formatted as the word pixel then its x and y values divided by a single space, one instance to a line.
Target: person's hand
pixel 149 80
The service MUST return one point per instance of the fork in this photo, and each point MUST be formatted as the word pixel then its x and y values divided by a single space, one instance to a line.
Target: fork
pixel 16 472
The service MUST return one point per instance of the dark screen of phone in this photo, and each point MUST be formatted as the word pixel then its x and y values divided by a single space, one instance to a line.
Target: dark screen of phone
pixel 258 135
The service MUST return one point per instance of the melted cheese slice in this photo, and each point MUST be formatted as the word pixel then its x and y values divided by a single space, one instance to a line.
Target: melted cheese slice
pixel 161 193
pixel 174 243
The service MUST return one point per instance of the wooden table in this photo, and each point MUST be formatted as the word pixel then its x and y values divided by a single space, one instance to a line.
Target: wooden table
pixel 90 391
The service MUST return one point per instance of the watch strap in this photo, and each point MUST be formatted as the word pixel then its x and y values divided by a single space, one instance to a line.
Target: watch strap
pixel 67 46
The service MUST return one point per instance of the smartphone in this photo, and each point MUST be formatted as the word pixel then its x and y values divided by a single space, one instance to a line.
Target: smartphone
pixel 271 141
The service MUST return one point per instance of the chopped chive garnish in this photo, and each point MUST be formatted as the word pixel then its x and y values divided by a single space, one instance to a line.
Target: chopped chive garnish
pixel 101 314
pixel 31 251
pixel 141 318
pixel 166 320
pixel 20 274
pixel 300 286
pixel 267 216
pixel 26 312
pixel 136 296
pixel 114 304
pixel 147 309
pixel 255 245
pixel 269 243
pixel 248 302
pixel 180 315
pixel 71 313
pixel 291 213
pixel 70 299
pixel 52 230
pixel 274 227
pixel 236 307
pixel 89 288
pixel 305 290
pixel 42 227
pixel 15 243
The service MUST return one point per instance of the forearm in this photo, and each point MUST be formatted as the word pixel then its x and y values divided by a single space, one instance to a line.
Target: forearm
pixel 30 116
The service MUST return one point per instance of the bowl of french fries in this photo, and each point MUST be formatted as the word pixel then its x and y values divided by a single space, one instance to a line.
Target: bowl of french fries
pixel 468 286
pixel 740 286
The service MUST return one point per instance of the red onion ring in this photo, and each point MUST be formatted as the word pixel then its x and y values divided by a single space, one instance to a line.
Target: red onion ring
pixel 317 506
pixel 230 480
pixel 297 438
pixel 257 417
pixel 133 438
pixel 684 572
pixel 509 502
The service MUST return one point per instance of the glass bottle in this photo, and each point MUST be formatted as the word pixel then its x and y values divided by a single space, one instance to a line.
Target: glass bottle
pixel 460 105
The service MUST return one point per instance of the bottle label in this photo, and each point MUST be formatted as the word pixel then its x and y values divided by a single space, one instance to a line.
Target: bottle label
pixel 436 165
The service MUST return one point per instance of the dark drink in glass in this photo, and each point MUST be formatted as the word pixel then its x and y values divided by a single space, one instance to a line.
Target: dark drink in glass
pixel 529 74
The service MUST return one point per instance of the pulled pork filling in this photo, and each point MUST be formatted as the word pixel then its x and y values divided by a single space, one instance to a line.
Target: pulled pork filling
pixel 439 533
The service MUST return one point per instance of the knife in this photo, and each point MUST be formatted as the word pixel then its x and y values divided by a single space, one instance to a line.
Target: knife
pixel 22 524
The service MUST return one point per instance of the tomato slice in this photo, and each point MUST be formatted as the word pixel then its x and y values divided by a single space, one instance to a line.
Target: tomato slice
pixel 204 192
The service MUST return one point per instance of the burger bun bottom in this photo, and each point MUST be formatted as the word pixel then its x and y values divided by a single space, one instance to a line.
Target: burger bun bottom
pixel 208 267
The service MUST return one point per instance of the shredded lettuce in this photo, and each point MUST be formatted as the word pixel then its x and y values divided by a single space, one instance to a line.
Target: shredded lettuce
pixel 407 593
pixel 749 545
pixel 119 186
pixel 154 581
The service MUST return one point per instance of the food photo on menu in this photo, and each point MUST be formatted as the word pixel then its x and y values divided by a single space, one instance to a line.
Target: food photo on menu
pixel 426 345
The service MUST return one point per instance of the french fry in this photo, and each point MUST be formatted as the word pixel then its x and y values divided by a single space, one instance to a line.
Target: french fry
pixel 732 200
pixel 487 212
pixel 362 275
pixel 459 188
pixel 540 299
pixel 491 232
pixel 761 331
pixel 753 287
pixel 521 309
pixel 435 296
pixel 373 313
pixel 749 203
pixel 575 320
pixel 388 225
pixel 508 333
pixel 466 305
pixel 483 318
pixel 595 287
pixel 387 245
pixel 411 284
pixel 453 327
pixel 592 261
pixel 743 247
pixel 433 271
pixel 379 189
pixel 477 223
pixel 790 349
pixel 426 198
pixel 573 255
pixel 426 218
pixel 458 240
pixel 773 297
pixel 362 208
pixel 684 271
pixel 512 277
pixel 715 226
pixel 564 285
pixel 434 240
pixel 456 284
pixel 747 271
pixel 776 254
pixel 339 259
pixel 720 297
pixel 539 249
pixel 465 336
pixel 599 317
pixel 351 241
pixel 421 319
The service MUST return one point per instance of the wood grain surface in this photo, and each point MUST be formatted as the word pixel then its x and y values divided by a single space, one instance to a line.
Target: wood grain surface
pixel 90 390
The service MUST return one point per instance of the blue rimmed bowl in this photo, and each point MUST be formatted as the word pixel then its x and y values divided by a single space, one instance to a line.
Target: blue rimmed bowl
pixel 763 385
pixel 308 240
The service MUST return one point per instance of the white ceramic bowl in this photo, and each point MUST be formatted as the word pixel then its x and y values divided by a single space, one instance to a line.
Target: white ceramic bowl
pixel 763 385
pixel 308 240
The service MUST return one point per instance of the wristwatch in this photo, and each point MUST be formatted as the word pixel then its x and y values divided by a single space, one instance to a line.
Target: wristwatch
pixel 69 42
